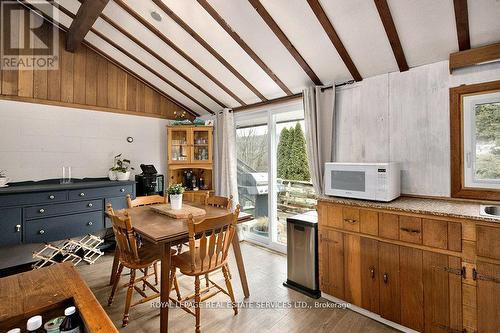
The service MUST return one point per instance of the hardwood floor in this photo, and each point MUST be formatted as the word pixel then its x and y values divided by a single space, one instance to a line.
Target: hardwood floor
pixel 266 272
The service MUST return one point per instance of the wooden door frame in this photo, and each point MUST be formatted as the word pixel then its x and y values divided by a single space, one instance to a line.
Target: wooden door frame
pixel 458 189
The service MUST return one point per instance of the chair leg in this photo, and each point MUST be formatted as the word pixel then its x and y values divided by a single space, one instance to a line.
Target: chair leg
pixel 197 299
pixel 116 261
pixel 176 285
pixel 145 277
pixel 207 284
pixel 155 268
pixel 116 280
pixel 225 271
pixel 128 301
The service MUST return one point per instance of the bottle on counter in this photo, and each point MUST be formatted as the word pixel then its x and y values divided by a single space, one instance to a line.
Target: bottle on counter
pixel 34 325
pixel 72 322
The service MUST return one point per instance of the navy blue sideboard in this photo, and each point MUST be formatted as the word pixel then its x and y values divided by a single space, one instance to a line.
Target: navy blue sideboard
pixel 45 211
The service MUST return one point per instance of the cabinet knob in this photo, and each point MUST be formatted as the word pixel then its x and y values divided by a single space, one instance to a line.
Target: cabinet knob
pixel 82 194
pixel 52 197
pixel 372 272
pixel 41 210
pixel 90 223
pixel 18 227
pixel 386 277
pixel 41 232
pixel 90 205
pixel 122 190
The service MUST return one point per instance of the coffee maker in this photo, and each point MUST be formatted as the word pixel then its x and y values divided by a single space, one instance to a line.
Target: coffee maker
pixel 149 182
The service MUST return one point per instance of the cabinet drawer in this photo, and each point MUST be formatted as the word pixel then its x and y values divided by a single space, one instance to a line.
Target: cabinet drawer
pixel 33 198
pixel 62 227
pixel 102 192
pixel 350 219
pixel 442 234
pixel 488 242
pixel 10 226
pixel 64 208
pixel 388 225
pixel 410 229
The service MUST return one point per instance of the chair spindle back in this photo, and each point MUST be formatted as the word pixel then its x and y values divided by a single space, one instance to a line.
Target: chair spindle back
pixel 145 200
pixel 125 235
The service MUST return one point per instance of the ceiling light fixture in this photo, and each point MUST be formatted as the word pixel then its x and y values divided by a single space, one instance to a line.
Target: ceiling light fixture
pixel 156 16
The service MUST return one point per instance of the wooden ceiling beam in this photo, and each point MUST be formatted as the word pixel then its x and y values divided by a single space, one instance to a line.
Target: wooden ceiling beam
pixel 171 44
pixel 392 34
pixel 224 25
pixel 209 48
pixel 87 14
pixel 462 24
pixel 107 56
pixel 475 56
pixel 334 38
pixel 137 60
pixel 284 40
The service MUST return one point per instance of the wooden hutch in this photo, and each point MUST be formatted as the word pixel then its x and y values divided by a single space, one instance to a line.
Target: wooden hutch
pixel 190 147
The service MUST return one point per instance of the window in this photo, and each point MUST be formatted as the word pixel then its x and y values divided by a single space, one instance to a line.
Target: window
pixel 475 141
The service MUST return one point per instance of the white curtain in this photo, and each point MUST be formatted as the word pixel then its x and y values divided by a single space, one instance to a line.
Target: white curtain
pixel 225 162
pixel 319 114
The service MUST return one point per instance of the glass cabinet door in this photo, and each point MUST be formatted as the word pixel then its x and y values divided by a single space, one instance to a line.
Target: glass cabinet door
pixel 202 146
pixel 179 145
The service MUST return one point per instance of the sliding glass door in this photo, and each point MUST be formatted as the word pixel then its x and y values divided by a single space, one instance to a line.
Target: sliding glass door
pixel 273 174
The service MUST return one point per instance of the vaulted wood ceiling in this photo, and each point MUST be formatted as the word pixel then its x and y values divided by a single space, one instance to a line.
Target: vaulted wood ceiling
pixel 209 54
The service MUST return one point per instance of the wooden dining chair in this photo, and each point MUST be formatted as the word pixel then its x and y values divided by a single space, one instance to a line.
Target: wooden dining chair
pixel 199 197
pixel 206 255
pixel 134 257
pixel 219 201
pixel 138 201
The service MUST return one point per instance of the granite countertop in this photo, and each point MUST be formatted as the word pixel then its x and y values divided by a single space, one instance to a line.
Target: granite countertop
pixel 55 185
pixel 437 206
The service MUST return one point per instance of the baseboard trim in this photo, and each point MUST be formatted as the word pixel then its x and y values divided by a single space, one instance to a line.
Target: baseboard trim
pixel 369 314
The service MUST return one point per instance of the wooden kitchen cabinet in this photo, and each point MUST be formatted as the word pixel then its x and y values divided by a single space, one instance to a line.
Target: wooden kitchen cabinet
pixel 331 262
pixel 390 305
pixel 352 269
pixel 487 277
pixel 189 144
pixel 370 294
pixel 412 287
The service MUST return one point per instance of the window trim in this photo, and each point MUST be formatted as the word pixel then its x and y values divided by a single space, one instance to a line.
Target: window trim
pixel 458 188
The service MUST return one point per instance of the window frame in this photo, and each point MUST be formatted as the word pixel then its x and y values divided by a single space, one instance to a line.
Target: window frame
pixel 458 145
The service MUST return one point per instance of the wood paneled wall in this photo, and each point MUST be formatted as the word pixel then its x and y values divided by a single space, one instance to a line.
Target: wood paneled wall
pixel 87 80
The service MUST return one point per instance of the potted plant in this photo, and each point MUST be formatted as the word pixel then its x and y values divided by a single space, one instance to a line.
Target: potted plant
pixel 3 178
pixel 121 168
pixel 175 193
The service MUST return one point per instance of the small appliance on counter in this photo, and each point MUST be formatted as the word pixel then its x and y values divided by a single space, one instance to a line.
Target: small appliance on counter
pixel 302 254
pixel 149 182
pixel 370 181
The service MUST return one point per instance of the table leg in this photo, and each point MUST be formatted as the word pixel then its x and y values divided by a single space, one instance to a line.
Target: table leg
pixel 164 287
pixel 114 268
pixel 240 264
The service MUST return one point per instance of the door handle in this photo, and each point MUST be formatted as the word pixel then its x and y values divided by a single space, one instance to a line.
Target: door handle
pixel 386 278
pixel 18 227
pixel 372 272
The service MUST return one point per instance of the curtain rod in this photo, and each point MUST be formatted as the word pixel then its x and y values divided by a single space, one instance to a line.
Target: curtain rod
pixel 285 98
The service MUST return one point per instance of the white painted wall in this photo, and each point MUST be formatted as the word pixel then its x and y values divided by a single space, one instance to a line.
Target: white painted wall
pixel 37 140
pixel 405 117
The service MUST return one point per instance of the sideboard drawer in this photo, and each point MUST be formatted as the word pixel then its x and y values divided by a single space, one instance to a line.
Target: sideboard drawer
pixel 111 191
pixel 63 208
pixel 488 242
pixel 62 227
pixel 10 226
pixel 33 198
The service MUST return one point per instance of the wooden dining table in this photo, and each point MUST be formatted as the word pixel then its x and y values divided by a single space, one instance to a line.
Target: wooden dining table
pixel 166 231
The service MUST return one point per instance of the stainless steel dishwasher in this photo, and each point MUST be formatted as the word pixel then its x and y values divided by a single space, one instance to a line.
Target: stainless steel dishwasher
pixel 302 254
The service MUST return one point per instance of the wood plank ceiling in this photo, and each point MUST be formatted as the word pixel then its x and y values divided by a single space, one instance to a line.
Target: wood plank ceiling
pixel 210 54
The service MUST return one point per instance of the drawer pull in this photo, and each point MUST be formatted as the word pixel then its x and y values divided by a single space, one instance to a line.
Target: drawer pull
pixel 372 272
pixel 90 223
pixel 386 278
pixel 52 197
pixel 18 227
pixel 411 231
pixel 82 194
pixel 41 232
pixel 41 210
pixel 122 190
pixel 350 221
pixel 90 205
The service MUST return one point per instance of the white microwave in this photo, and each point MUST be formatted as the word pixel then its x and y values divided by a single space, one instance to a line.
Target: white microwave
pixel 370 181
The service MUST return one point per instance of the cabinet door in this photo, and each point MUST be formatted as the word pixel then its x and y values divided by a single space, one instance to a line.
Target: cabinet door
pixel 10 226
pixel 369 275
pixel 412 289
pixel 488 297
pixel 352 269
pixel 442 293
pixel 331 263
pixel 390 304
pixel 179 149
pixel 201 151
